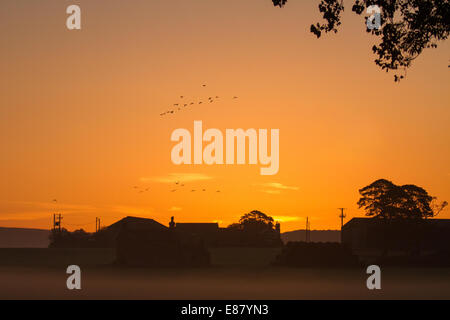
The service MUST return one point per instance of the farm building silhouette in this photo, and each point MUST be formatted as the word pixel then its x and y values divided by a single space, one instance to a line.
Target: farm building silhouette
pixel 422 240
pixel 146 242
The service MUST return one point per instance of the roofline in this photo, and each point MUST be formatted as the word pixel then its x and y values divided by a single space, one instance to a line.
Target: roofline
pixel 359 219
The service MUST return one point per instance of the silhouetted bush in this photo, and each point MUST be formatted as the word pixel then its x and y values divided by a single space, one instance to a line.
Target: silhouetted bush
pixel 75 239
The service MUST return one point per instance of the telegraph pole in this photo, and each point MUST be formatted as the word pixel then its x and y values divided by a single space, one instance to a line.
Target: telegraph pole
pixel 57 221
pixel 97 224
pixel 342 216
pixel 307 230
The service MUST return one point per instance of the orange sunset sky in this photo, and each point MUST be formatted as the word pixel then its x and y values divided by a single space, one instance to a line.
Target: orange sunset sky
pixel 79 112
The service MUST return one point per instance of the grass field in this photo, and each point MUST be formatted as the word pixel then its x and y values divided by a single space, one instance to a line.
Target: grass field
pixel 28 257
pixel 41 274
pixel 43 257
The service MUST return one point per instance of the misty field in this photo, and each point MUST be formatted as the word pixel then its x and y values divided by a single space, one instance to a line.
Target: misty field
pixel 245 274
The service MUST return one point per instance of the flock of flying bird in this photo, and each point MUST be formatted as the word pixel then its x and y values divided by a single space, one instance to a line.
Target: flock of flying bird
pixel 176 107
pixel 177 184
pixel 140 190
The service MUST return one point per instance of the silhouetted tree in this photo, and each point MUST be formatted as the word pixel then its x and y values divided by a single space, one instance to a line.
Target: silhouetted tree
pixel 406 27
pixel 279 3
pixel 255 229
pixel 384 199
pixel 256 221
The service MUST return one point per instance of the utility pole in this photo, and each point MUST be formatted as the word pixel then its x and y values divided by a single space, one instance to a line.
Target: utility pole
pixel 342 216
pixel 97 224
pixel 57 221
pixel 307 230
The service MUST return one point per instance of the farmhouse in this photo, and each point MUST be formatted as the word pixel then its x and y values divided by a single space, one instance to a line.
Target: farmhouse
pixel 364 235
pixel 145 242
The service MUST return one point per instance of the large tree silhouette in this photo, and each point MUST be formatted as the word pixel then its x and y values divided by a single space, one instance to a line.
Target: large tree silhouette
pixel 254 221
pixel 384 199
pixel 407 27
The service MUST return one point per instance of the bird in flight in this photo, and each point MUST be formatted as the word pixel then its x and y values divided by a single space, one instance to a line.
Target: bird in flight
pixel 179 106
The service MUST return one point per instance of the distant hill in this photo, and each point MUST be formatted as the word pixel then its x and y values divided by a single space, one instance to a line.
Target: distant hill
pixel 315 236
pixel 23 238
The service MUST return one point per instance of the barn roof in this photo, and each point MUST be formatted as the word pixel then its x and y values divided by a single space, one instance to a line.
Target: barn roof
pixel 372 221
pixel 137 223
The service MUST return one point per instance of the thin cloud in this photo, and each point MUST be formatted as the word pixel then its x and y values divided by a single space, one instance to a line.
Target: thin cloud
pixel 28 210
pixel 277 185
pixel 269 191
pixel 175 209
pixel 38 210
pixel 177 177
pixel 285 218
